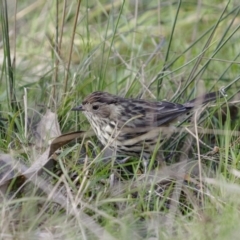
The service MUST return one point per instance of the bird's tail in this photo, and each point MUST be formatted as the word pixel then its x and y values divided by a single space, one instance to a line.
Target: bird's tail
pixel 212 96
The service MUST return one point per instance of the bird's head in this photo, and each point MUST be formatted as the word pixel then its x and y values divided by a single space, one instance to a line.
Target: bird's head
pixel 99 104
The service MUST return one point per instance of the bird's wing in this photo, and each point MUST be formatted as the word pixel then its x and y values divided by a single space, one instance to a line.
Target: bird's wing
pixel 166 113
pixel 153 114
pixel 142 115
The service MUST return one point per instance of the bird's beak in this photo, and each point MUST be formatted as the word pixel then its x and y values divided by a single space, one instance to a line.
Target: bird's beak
pixel 78 108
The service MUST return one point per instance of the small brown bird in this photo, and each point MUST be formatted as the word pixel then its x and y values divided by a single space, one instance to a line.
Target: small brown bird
pixel 133 127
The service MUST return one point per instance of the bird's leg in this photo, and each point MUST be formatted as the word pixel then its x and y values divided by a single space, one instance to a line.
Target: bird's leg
pixel 145 162
pixel 159 161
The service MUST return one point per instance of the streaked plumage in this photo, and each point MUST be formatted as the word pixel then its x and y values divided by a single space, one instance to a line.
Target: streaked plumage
pixel 134 126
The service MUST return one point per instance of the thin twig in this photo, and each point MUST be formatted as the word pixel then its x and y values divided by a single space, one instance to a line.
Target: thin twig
pixel 71 47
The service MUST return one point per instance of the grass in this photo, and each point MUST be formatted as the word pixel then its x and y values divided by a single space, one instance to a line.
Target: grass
pixel 174 50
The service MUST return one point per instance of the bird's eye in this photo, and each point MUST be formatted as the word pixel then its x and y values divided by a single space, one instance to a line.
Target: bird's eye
pixel 95 107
